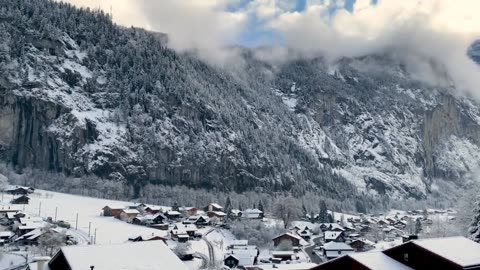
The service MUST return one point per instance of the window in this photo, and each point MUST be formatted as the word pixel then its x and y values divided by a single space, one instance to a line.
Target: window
pixel 405 257
pixel 339 252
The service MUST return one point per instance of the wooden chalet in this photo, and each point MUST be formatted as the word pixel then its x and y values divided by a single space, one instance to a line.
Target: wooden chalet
pixel 112 210
pixel 216 214
pixel 128 214
pixel 334 250
pixel 450 253
pixel 293 239
pixel 213 207
pixel 363 261
pixel 334 236
pixel 24 199
pixel 151 255
pixel 173 215
pixel 18 190
pixel 361 245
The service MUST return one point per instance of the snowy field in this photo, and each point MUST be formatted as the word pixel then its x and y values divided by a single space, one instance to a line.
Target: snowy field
pixel 109 230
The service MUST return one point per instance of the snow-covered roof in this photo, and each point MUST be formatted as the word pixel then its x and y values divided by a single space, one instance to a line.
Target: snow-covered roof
pixel 6 234
pixel 115 206
pixel 219 213
pixel 331 235
pixel 244 256
pixel 376 260
pixel 173 213
pixel 131 211
pixel 459 250
pixel 291 266
pixel 239 243
pixel 216 205
pixel 289 234
pixel 153 207
pixel 151 255
pixel 252 211
pixel 336 246
pixel 333 226
pixel 282 253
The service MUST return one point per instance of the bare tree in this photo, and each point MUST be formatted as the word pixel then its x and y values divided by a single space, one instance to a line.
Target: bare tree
pixel 51 241
pixel 287 210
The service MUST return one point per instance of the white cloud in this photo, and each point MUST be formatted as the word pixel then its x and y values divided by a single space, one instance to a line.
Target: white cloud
pixel 419 31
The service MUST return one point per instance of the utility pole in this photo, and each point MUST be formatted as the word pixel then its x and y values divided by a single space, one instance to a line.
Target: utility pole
pixel 95 237
pixel 76 223
pixel 56 210
pixel 39 209
pixel 89 226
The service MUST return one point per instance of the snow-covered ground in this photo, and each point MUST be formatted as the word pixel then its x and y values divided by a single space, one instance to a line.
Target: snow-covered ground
pixel 8 260
pixel 109 230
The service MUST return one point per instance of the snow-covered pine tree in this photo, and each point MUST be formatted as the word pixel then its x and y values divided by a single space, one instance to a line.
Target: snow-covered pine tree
pixel 474 229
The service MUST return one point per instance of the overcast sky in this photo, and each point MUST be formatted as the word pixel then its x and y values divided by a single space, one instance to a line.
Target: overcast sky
pixel 438 29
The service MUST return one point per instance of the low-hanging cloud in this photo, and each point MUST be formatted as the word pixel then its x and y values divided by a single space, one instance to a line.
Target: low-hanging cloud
pixel 425 35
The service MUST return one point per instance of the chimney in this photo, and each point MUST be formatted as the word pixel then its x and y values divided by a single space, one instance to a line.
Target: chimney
pixel 91 267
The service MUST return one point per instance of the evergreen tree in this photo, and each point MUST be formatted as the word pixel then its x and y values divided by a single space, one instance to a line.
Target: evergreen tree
pixel 474 229
pixel 418 226
pixel 323 215
pixel 228 208
pixel 175 206
pixel 260 206
pixel 304 210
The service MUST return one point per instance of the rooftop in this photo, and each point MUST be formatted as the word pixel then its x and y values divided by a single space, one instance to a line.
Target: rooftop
pixel 152 255
pixel 459 250
pixel 378 261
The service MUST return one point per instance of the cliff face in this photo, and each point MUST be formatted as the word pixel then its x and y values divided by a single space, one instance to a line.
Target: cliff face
pixel 99 99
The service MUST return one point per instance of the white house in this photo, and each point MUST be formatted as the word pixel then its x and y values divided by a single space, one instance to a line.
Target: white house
pixel 334 250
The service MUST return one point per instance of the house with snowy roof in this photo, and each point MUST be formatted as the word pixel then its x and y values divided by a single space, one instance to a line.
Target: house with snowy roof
pixel 198 220
pixel 112 210
pixel 241 256
pixel 363 261
pixel 450 253
pixel 24 199
pixel 292 238
pixel 216 214
pixel 252 214
pixel 438 253
pixel 149 255
pixel 128 214
pixel 331 227
pixel 334 236
pixel 213 207
pixel 332 250
pixel 361 245
pixel 19 190
pixel 173 215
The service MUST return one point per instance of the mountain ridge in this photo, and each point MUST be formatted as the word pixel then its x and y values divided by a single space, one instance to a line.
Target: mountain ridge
pixel 117 103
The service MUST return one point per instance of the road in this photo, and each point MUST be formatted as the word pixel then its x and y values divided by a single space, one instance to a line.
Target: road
pixel 311 252
pixel 211 251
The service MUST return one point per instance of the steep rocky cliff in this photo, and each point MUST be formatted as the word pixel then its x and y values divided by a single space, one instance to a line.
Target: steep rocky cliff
pixel 79 95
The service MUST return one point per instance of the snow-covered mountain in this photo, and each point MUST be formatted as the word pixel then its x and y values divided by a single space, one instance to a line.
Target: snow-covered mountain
pixel 82 96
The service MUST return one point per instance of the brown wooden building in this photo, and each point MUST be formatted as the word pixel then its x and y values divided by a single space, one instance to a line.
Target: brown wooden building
pixel 364 261
pixel 112 211
pixel 287 237
pixel 450 253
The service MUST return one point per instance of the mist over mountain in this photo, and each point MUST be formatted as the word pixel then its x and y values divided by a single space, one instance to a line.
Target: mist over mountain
pixel 82 96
